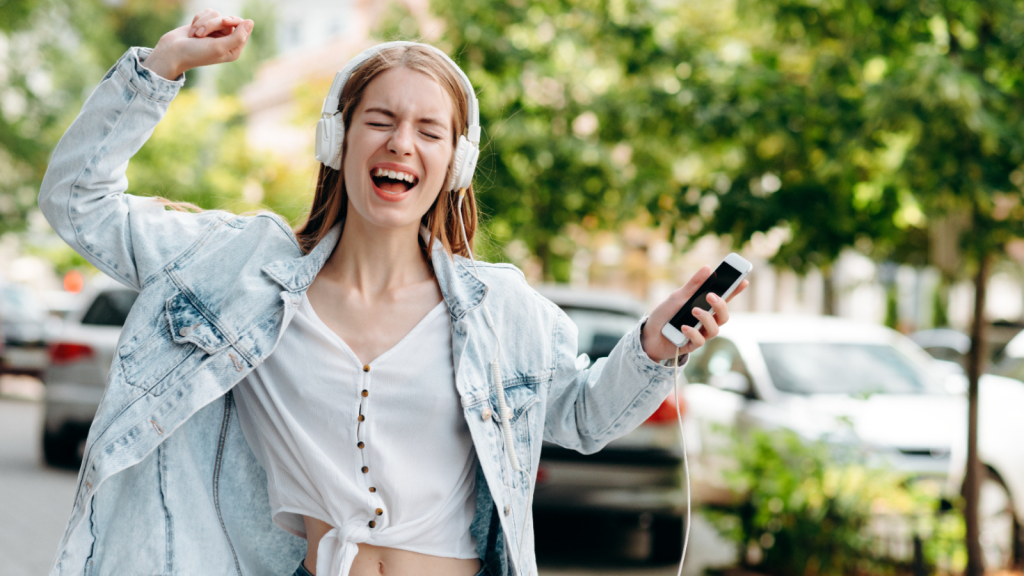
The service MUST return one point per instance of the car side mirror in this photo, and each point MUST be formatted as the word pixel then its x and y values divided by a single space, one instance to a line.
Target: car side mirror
pixel 731 382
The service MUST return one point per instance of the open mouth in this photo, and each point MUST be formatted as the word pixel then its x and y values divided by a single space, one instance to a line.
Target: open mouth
pixel 393 181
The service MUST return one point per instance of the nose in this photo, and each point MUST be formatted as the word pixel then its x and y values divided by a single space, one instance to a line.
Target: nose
pixel 401 141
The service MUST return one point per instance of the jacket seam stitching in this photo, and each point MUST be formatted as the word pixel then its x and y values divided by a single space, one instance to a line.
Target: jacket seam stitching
pixel 161 461
pixel 207 314
pixel 216 477
pixel 185 252
pixel 74 185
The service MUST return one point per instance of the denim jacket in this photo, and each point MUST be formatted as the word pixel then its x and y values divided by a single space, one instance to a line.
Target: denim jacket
pixel 168 484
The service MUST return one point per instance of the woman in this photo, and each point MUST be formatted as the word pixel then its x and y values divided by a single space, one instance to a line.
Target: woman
pixel 353 398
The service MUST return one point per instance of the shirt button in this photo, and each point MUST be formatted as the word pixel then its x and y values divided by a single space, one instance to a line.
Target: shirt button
pixel 366 368
pixel 360 445
pixel 365 469
pixel 372 523
pixel 366 393
pixel 184 331
pixel 380 511
pixel 361 417
pixel 372 489
pixel 486 414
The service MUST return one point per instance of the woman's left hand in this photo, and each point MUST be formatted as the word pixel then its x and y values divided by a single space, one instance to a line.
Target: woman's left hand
pixel 660 348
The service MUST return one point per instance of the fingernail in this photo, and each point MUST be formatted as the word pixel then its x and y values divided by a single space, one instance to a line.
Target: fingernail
pixel 248 25
pixel 200 31
pixel 712 298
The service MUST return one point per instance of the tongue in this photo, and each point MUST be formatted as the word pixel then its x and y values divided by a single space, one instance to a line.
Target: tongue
pixel 392 186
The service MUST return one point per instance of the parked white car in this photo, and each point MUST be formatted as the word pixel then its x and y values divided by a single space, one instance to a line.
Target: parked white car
pixel 861 385
pixel 76 375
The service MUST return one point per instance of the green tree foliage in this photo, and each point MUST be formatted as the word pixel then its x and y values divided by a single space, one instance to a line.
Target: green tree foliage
pixel 589 108
pixel 51 55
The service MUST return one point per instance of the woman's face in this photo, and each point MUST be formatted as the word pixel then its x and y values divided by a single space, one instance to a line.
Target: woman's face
pixel 400 142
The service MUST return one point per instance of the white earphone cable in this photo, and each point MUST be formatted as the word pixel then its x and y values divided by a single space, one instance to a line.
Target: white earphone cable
pixel 686 464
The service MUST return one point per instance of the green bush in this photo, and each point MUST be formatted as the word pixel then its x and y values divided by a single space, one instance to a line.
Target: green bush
pixel 814 509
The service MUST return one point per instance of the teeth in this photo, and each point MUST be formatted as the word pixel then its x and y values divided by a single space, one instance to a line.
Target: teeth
pixel 394 175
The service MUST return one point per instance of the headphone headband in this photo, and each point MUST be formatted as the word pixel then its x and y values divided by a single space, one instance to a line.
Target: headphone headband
pixel 330 106
pixel 330 130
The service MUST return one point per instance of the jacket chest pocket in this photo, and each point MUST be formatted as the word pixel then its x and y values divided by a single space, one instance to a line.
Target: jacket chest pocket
pixel 522 399
pixel 183 341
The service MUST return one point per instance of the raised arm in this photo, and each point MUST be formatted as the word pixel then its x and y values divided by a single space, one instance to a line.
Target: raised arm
pixel 82 195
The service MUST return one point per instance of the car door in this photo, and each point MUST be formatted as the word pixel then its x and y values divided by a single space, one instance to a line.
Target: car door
pixel 719 398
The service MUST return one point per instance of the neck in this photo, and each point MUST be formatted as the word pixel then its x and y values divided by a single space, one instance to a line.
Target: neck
pixel 375 262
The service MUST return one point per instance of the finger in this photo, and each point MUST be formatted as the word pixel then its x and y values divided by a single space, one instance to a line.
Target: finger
pixel 200 17
pixel 215 23
pixel 694 336
pixel 743 285
pixel 708 323
pixel 720 307
pixel 201 14
pixel 230 46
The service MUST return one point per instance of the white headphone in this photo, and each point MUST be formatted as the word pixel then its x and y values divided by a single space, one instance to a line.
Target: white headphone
pixel 330 130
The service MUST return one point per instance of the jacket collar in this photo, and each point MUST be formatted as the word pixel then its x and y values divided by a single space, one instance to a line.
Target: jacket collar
pixel 462 291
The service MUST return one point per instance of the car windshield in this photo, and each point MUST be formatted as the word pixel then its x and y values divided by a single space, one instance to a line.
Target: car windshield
pixel 599 330
pixel 830 368
pixel 110 308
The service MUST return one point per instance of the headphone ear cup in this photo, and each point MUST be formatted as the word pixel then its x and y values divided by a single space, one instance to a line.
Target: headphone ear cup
pixel 460 157
pixel 466 154
pixel 330 133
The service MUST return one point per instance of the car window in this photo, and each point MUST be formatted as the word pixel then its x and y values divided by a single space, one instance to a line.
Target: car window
pixel 833 368
pixel 599 330
pixel 110 308
pixel 716 358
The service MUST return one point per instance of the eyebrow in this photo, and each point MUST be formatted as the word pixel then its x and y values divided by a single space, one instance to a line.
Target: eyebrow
pixel 390 114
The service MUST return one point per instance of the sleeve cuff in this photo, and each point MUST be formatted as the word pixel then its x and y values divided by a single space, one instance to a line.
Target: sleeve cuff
pixel 641 360
pixel 144 80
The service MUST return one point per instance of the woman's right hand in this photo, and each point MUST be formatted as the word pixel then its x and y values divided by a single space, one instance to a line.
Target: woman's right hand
pixel 210 39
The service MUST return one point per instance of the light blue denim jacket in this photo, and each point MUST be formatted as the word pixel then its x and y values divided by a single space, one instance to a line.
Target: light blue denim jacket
pixel 168 484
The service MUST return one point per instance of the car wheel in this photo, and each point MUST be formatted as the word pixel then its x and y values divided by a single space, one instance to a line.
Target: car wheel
pixel 666 539
pixel 62 449
pixel 1000 531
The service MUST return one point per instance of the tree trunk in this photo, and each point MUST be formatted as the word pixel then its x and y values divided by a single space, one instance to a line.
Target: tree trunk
pixel 975 365
pixel 828 296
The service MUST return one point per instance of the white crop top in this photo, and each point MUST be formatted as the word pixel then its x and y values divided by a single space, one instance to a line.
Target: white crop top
pixel 380 452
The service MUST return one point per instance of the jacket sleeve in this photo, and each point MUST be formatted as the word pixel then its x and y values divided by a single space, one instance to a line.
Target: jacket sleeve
pixel 82 196
pixel 589 407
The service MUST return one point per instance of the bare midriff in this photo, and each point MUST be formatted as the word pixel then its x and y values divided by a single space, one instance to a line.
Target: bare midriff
pixel 377 560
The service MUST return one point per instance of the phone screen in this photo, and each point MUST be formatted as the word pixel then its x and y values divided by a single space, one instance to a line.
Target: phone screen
pixel 719 281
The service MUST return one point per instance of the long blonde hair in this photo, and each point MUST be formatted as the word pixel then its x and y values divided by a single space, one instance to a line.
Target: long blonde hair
pixel 330 202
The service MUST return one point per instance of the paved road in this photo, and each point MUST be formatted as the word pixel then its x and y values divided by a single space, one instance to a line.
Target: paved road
pixel 35 502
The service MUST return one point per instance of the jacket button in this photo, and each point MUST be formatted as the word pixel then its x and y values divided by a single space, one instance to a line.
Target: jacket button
pixel 372 489
pixel 360 445
pixel 372 523
pixel 380 511
pixel 366 368
pixel 184 331
pixel 486 414
pixel 508 509
pixel 365 469
pixel 366 393
pixel 361 417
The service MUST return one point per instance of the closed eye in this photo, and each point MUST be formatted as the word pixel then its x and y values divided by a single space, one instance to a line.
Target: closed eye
pixel 431 136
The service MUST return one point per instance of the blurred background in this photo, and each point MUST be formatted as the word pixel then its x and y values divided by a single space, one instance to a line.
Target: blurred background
pixel 867 156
